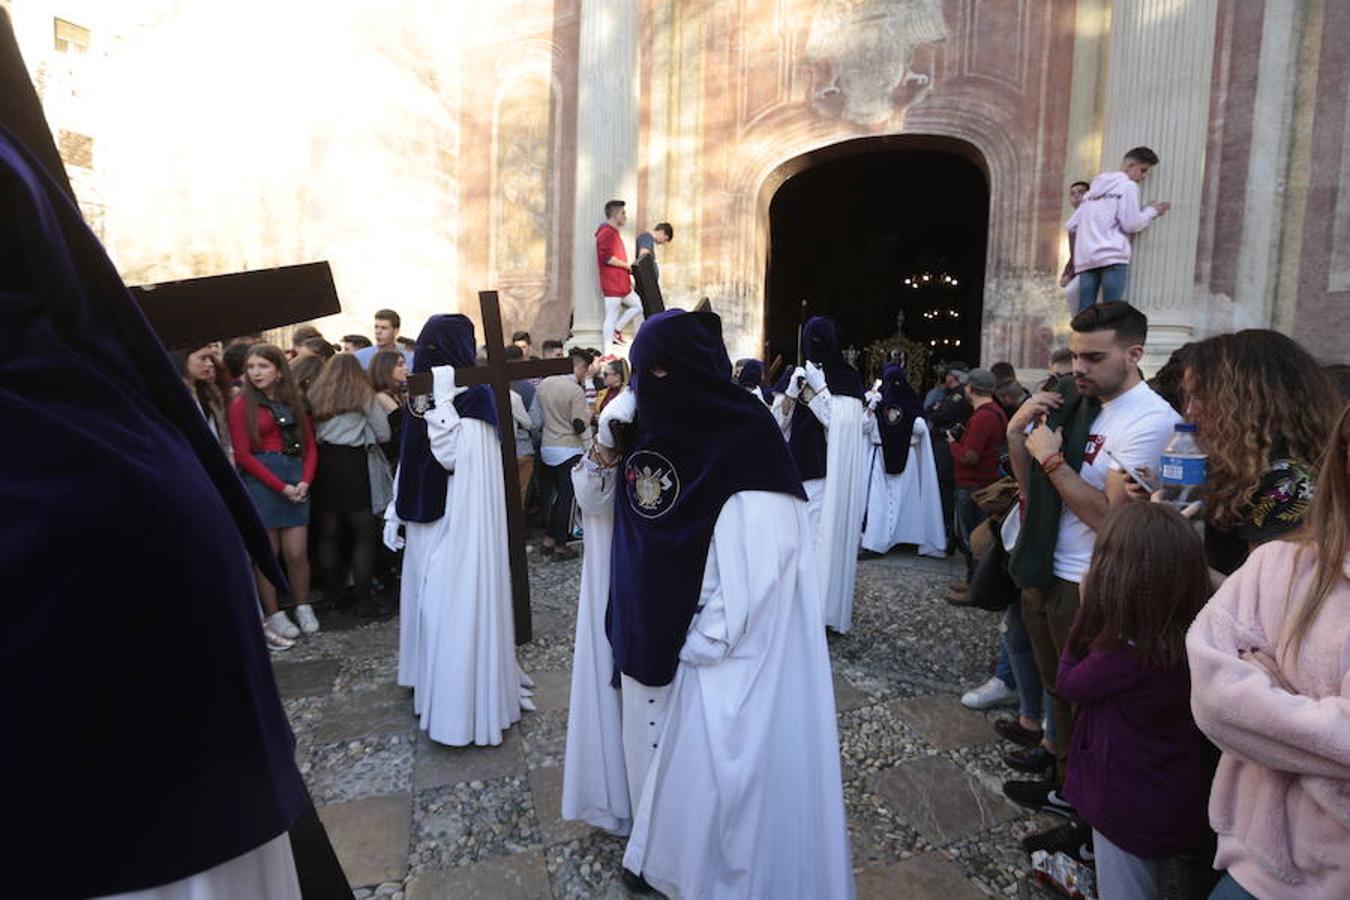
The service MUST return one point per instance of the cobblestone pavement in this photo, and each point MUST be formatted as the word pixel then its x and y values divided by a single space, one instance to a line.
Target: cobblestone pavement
pixel 411 819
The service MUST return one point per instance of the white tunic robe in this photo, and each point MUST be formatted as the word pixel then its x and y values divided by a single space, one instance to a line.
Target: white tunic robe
pixel 263 873
pixel 595 780
pixel 742 796
pixel 467 685
pixel 904 508
pixel 424 541
pixel 842 504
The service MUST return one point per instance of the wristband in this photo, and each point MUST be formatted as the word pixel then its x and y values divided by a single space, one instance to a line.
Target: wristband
pixel 1052 462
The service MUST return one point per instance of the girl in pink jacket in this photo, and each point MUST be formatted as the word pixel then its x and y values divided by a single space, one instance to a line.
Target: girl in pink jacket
pixel 1270 685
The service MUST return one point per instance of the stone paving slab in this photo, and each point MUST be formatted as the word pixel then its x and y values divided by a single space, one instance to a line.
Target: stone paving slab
pixel 846 696
pixel 370 837
pixel 520 877
pixel 382 710
pixel 546 785
pixel 552 690
pixel 929 876
pixel 308 678
pixel 437 765
pixel 945 724
pixel 939 800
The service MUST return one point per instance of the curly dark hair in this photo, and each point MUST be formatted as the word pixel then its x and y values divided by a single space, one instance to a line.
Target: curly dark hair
pixel 1256 397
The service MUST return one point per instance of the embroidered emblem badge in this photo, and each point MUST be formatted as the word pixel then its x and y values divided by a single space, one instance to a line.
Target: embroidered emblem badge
pixel 419 404
pixel 652 482
pixel 893 415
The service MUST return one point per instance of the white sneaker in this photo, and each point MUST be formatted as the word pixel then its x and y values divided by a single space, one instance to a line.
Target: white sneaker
pixel 992 693
pixel 309 623
pixel 282 625
pixel 274 640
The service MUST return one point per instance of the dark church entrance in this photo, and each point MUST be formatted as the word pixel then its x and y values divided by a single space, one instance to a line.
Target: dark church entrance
pixel 873 228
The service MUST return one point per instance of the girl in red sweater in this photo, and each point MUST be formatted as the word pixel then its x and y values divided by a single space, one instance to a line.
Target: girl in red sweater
pixel 275 452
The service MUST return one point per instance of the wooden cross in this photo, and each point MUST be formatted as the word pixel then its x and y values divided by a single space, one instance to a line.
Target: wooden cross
pixel 498 374
pixel 191 313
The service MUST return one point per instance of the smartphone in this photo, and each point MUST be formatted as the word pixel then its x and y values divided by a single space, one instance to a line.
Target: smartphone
pixel 1133 473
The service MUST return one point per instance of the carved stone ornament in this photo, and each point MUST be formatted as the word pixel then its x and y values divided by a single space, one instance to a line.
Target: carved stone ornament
pixel 869 46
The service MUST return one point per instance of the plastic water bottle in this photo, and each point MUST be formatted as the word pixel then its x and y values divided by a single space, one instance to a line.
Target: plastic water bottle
pixel 1184 464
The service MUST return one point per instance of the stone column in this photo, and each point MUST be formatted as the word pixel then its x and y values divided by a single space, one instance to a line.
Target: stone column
pixel 607 146
pixel 1157 95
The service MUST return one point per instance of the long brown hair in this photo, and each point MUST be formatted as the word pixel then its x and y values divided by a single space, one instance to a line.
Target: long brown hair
pixel 305 370
pixel 1257 396
pixel 286 392
pixel 1147 581
pixel 382 366
pixel 341 387
pixel 1326 533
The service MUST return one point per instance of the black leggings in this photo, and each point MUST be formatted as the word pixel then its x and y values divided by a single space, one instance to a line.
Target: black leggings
pixel 558 482
pixel 331 524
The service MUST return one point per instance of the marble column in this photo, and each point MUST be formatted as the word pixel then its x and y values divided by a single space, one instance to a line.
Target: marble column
pixel 607 146
pixel 1157 95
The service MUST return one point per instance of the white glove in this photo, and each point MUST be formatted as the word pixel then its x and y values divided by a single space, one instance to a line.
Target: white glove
pixel 621 409
pixel 794 387
pixel 873 398
pixel 444 390
pixel 815 378
pixel 392 540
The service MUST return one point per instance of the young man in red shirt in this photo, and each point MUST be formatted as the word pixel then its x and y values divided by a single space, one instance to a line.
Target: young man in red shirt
pixel 616 276
pixel 975 456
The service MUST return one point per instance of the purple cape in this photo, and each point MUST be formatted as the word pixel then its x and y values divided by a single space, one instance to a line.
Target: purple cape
pixel 896 412
pixel 446 340
pixel 135 690
pixel 700 439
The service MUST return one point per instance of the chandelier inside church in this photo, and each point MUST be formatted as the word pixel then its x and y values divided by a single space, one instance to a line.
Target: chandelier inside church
pixel 934 304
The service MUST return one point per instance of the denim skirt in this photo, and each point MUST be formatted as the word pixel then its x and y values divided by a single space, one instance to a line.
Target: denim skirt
pixel 273 507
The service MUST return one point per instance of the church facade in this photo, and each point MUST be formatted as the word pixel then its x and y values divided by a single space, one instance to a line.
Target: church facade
pixel 498 133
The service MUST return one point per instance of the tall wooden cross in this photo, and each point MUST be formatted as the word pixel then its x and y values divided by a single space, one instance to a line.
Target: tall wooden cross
pixel 498 374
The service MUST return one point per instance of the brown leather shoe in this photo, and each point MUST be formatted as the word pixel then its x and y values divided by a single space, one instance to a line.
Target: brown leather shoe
pixel 1015 731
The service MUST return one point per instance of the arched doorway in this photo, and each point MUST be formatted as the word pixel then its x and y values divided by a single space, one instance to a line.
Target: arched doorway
pixel 868 229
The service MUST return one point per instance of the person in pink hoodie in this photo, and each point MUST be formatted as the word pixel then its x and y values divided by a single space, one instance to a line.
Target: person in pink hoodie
pixel 1270 685
pixel 1101 226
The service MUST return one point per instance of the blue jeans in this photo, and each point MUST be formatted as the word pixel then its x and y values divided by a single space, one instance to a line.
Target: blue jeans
pixel 1123 876
pixel 968 516
pixel 1109 280
pixel 1229 889
pixel 1015 657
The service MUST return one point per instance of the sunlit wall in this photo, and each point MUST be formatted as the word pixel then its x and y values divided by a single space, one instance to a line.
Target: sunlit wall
pixel 227 136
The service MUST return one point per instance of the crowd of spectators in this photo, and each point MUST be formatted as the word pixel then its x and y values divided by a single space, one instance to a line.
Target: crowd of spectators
pixel 1177 668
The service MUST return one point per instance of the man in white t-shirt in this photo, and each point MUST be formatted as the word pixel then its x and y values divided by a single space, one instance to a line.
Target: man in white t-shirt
pixel 1134 425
